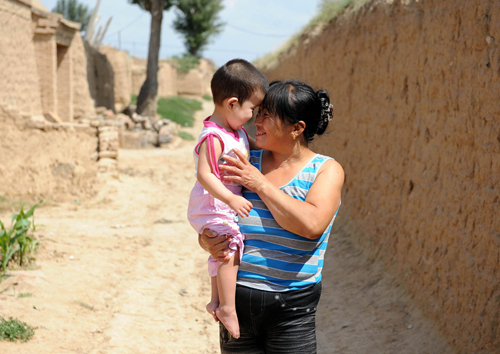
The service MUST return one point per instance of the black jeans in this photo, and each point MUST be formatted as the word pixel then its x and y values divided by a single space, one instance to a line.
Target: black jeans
pixel 274 322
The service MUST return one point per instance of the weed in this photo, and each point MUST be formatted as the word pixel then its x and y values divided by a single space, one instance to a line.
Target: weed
pixel 186 136
pixel 179 109
pixel 25 295
pixel 15 243
pixel 133 99
pixel 13 330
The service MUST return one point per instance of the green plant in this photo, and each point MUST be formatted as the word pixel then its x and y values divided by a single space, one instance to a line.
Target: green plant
pixel 186 136
pixel 13 330
pixel 16 243
pixel 207 97
pixel 133 99
pixel 185 63
pixel 179 109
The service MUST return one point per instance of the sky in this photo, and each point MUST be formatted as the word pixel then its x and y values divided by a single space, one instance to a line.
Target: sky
pixel 253 27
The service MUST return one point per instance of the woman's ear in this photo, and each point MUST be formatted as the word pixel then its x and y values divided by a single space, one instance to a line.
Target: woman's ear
pixel 298 128
pixel 230 102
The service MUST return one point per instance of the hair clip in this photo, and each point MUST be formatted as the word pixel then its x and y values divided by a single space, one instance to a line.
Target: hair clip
pixel 328 113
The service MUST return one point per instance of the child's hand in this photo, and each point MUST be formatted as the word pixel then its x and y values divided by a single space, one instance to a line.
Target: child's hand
pixel 240 205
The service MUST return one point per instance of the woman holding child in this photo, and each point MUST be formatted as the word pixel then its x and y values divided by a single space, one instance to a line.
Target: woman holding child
pixel 294 195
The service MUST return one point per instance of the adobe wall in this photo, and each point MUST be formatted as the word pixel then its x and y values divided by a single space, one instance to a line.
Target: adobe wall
pixel 57 162
pixel 18 72
pixel 167 77
pixel 83 104
pixel 416 92
pixel 122 69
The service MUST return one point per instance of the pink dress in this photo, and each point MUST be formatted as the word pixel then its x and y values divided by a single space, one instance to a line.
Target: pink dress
pixel 207 212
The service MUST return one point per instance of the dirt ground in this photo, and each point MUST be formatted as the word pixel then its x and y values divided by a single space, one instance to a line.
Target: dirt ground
pixel 122 273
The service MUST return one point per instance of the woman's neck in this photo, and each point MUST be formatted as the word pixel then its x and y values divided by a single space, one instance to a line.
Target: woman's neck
pixel 288 157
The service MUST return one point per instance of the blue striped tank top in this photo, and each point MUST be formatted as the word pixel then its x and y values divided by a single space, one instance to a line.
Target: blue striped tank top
pixel 275 259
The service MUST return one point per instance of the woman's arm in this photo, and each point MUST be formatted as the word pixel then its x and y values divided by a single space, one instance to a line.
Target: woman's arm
pixel 213 185
pixel 307 218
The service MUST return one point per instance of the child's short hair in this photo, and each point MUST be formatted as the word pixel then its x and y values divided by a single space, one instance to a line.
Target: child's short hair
pixel 237 78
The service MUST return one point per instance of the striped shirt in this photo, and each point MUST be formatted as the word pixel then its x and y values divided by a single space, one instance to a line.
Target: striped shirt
pixel 275 259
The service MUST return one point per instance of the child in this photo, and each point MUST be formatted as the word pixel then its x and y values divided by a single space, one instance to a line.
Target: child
pixel 238 89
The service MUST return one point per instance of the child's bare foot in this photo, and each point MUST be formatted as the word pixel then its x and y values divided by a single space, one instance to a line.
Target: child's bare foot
pixel 227 315
pixel 211 307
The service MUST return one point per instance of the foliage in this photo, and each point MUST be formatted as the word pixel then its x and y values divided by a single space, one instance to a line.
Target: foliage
pixel 179 109
pixel 16 244
pixel 198 21
pixel 185 63
pixel 133 99
pixel 186 136
pixel 13 330
pixel 207 97
pixel 328 10
pixel 146 4
pixel 74 11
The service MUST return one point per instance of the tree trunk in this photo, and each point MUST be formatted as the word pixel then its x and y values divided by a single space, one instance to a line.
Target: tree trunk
pixel 146 102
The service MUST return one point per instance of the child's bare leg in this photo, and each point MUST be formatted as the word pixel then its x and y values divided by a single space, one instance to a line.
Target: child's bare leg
pixel 226 282
pixel 214 301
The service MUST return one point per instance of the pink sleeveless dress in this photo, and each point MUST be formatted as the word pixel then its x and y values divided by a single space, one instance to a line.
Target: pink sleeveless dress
pixel 207 212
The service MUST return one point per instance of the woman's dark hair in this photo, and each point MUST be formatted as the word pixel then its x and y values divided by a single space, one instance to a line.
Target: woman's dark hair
pixel 294 101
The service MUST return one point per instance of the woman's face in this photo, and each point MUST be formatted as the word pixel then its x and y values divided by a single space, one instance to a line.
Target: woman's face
pixel 270 131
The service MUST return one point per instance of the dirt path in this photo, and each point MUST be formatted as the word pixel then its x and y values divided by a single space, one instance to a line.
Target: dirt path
pixel 123 273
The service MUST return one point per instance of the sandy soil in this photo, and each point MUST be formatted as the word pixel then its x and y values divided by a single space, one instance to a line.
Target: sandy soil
pixel 123 273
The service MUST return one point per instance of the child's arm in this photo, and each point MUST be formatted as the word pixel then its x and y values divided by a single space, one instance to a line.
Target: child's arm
pixel 213 185
pixel 252 144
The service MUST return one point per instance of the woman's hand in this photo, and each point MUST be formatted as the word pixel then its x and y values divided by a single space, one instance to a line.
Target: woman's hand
pixel 243 172
pixel 216 245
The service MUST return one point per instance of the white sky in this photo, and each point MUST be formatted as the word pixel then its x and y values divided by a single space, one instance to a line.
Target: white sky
pixel 253 27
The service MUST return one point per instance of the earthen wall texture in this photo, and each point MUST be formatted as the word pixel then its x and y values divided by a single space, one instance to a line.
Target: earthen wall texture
pixel 100 78
pixel 83 104
pixel 416 89
pixel 18 69
pixel 57 162
pixel 167 77
pixel 46 58
pixel 65 83
pixel 122 69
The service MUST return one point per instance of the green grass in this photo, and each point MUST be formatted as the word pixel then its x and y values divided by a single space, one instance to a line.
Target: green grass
pixel 207 97
pixel 327 11
pixel 186 136
pixel 13 330
pixel 133 100
pixel 179 109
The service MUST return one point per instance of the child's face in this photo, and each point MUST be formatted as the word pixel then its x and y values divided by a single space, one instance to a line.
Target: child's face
pixel 244 112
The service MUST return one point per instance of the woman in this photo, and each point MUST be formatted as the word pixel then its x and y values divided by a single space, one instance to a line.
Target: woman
pixel 295 195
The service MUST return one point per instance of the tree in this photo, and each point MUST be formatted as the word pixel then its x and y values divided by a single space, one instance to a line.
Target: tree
pixel 198 21
pixel 74 11
pixel 146 101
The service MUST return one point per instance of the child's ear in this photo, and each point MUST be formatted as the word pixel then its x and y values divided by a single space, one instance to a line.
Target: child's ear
pixel 231 102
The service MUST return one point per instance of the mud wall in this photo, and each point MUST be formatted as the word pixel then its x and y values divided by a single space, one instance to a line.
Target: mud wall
pixel 122 71
pixel 18 69
pixel 416 90
pixel 57 161
pixel 83 104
